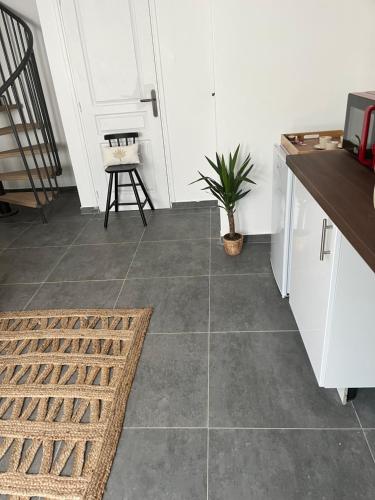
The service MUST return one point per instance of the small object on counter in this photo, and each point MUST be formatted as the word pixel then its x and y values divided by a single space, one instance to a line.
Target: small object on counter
pixel 305 142
pixel 323 139
pixel 332 145
pixel 319 146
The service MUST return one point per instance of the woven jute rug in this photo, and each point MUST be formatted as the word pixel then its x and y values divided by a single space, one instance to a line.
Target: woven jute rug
pixel 65 378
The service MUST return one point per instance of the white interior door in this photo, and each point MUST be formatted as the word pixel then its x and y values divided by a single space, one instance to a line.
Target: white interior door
pixel 183 37
pixel 110 50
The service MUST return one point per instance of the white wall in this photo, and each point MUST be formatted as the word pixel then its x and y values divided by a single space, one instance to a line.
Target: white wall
pixel 27 10
pixel 283 67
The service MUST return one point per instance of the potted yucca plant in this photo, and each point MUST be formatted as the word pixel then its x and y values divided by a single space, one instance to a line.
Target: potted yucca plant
pixel 227 188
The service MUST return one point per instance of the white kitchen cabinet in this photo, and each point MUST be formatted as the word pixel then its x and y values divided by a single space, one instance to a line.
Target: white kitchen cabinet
pixel 331 292
pixel 311 272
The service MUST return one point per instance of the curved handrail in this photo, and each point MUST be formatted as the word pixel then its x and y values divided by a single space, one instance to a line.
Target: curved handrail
pixel 21 89
pixel 29 50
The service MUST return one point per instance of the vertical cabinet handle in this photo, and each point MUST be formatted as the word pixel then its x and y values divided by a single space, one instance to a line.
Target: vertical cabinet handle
pixel 323 250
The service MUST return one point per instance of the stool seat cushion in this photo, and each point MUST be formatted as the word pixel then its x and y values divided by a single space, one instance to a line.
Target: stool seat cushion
pixel 122 168
pixel 120 155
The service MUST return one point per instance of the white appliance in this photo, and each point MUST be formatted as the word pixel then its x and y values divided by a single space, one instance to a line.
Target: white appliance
pixel 282 189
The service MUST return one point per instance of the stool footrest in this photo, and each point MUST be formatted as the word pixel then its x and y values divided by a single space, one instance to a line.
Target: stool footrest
pixel 142 204
pixel 127 185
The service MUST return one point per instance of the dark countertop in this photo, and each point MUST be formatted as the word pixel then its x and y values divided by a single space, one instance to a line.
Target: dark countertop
pixel 344 189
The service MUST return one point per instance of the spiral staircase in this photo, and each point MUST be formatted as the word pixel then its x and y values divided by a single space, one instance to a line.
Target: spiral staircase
pixel 29 160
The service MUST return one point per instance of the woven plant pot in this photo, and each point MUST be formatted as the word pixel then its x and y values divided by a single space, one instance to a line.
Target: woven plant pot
pixel 233 247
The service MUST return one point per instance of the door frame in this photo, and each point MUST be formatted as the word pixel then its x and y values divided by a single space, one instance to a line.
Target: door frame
pixel 69 106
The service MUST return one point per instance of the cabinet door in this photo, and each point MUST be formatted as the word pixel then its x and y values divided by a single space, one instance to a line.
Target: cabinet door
pixel 350 351
pixel 311 272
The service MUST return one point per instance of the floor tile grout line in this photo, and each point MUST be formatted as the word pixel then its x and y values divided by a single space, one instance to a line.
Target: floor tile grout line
pixel 363 432
pixel 142 427
pixel 218 332
pixel 132 277
pixel 54 267
pixel 224 333
pixel 16 238
pixel 85 281
pixel 129 242
pixel 325 429
pixel 215 332
pixel 208 358
pixel 130 265
pixel 16 283
pixel 10 224
pixel 218 428
pixel 120 243
pixel 198 276
pixel 184 240
pixel 10 247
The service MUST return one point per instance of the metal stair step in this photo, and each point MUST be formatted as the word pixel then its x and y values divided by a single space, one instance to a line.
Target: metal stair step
pixel 13 153
pixel 19 127
pixel 12 106
pixel 20 175
pixel 25 198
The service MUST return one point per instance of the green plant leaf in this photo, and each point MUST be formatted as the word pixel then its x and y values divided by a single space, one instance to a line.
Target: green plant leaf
pixel 243 194
pixel 226 188
pixel 215 167
pixel 235 156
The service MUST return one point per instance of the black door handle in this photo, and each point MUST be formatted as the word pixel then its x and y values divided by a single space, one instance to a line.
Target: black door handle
pixel 154 102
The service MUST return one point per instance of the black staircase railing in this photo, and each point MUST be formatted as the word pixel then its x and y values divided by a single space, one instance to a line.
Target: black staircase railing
pixel 23 103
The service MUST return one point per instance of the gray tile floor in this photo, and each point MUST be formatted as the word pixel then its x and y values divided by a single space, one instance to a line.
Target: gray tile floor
pixel 224 405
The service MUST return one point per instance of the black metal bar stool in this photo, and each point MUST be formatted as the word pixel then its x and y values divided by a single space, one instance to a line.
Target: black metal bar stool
pixel 131 169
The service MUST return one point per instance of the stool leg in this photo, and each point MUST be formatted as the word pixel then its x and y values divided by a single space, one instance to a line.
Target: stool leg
pixel 137 198
pixel 116 192
pixel 109 194
pixel 144 190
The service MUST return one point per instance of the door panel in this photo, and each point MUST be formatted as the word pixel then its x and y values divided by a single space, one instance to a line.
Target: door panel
pixel 310 276
pixel 110 51
pixel 110 58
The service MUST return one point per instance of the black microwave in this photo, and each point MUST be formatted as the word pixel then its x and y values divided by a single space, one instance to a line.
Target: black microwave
pixel 359 133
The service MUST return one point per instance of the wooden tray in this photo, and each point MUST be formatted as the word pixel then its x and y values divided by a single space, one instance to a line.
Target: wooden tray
pixel 305 144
